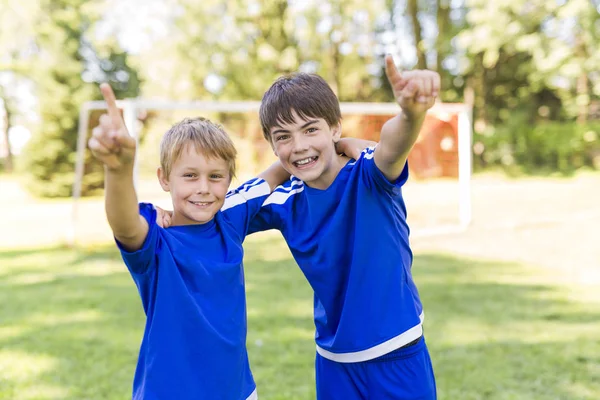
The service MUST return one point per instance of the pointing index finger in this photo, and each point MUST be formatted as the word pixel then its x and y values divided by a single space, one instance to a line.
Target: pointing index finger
pixel 111 102
pixel 394 76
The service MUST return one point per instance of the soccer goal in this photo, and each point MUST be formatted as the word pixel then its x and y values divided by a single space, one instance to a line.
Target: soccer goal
pixel 438 195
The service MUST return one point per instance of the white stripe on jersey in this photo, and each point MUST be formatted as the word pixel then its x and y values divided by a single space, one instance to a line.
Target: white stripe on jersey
pixel 369 152
pixel 282 197
pixel 294 182
pixel 377 351
pixel 245 187
pixel 247 192
pixel 253 396
pixel 366 153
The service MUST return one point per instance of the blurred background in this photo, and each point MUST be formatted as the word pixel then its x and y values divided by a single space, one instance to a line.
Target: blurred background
pixel 513 290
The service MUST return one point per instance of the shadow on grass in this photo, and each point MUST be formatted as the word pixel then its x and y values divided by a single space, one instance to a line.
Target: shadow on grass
pixel 70 324
pixel 493 292
pixel 75 254
pixel 9 253
pixel 493 330
pixel 494 333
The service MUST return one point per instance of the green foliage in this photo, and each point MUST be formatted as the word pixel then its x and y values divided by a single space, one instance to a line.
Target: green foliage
pixel 555 43
pixel 540 147
pixel 256 42
pixel 65 58
pixel 533 67
pixel 524 60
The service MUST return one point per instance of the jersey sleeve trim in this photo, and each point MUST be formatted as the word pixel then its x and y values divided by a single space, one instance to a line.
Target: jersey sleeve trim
pixel 368 159
pixel 251 190
pixel 283 193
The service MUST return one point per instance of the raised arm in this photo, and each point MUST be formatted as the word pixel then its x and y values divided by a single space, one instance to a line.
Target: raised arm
pixel 275 175
pixel 415 92
pixel 112 144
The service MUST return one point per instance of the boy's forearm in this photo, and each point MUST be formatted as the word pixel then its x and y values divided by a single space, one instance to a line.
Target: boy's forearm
pixel 398 135
pixel 122 210
pixel 275 175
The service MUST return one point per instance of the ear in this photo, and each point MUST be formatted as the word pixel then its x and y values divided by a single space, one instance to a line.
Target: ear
pixel 163 180
pixel 336 132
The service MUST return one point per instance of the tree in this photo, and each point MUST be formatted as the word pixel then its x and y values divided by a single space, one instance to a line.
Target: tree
pixel 16 60
pixel 556 45
pixel 65 58
pixel 533 62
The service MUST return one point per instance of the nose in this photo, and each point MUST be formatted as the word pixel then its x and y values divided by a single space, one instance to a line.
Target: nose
pixel 202 186
pixel 301 144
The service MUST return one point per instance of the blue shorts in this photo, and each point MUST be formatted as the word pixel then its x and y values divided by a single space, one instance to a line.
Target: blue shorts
pixel 403 374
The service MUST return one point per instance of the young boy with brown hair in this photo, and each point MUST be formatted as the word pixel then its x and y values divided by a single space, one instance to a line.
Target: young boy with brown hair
pixel 344 221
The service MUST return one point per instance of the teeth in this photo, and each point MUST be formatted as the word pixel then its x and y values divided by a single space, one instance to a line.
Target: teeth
pixel 305 161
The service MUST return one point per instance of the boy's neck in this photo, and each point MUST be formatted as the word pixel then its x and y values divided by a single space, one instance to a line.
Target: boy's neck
pixel 330 174
pixel 180 220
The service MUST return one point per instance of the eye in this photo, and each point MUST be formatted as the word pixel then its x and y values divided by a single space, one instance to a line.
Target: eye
pixel 311 130
pixel 189 175
pixel 216 176
pixel 281 137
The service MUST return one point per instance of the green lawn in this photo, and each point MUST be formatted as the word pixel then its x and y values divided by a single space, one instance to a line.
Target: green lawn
pixel 71 323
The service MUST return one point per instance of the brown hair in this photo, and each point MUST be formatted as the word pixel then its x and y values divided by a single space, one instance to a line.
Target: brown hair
pixel 306 94
pixel 207 137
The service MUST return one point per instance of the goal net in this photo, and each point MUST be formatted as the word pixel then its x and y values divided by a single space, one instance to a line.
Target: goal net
pixel 437 195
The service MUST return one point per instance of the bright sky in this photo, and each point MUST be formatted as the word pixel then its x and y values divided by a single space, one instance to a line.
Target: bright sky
pixel 138 23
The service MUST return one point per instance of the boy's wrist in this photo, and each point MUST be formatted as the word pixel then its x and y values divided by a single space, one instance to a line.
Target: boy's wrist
pixel 412 117
pixel 124 170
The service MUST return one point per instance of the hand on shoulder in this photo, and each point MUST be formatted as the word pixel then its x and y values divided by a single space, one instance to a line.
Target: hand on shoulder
pixel 163 217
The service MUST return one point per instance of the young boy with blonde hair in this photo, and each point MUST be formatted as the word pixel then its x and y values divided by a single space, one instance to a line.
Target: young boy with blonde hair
pixel 189 276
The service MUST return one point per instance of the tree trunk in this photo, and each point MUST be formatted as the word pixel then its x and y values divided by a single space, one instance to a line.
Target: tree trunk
pixel 336 58
pixel 582 87
pixel 335 71
pixel 5 117
pixel 443 23
pixel 413 10
pixel 479 91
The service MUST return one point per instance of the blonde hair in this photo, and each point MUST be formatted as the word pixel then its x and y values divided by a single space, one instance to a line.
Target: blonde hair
pixel 208 138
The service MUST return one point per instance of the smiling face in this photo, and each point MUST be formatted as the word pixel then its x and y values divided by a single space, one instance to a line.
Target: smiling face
pixel 306 149
pixel 300 116
pixel 198 185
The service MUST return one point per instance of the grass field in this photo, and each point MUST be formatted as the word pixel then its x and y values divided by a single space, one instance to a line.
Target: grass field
pixel 512 304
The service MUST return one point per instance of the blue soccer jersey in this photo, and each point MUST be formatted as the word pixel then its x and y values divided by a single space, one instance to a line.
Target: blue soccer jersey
pixel 191 282
pixel 351 242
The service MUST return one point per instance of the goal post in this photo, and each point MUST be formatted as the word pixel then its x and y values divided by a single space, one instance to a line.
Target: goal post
pixel 455 116
pixel 442 150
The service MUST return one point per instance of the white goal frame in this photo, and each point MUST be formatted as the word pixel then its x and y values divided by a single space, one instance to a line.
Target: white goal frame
pixel 130 108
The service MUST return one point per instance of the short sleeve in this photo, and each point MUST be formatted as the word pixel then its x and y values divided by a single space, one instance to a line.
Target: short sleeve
pixel 244 203
pixel 373 175
pixel 140 261
pixel 264 220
